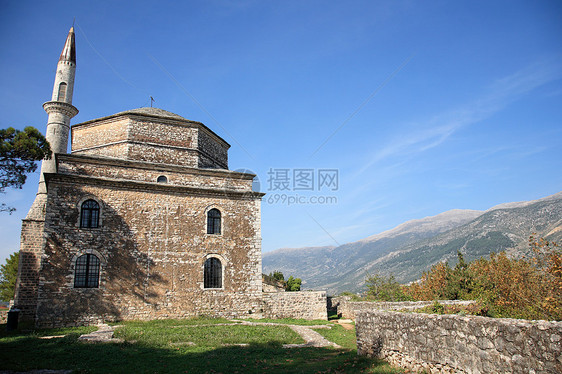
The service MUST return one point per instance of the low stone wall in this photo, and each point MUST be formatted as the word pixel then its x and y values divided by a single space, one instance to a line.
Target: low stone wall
pixel 303 304
pixel 348 309
pixel 460 344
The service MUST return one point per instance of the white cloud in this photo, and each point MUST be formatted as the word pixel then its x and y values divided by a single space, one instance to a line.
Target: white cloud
pixel 437 130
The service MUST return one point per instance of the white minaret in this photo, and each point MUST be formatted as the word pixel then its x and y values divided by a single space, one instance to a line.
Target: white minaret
pixel 60 111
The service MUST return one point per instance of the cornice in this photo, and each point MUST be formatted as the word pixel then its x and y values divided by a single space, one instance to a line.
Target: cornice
pixel 82 180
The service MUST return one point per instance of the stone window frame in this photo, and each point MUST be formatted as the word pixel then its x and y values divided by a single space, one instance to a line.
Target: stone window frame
pixel 62 91
pixel 100 215
pixel 162 179
pixel 103 263
pixel 221 211
pixel 224 264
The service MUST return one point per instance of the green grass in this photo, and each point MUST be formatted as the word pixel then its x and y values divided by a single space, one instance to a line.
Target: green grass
pixel 340 336
pixel 290 321
pixel 185 346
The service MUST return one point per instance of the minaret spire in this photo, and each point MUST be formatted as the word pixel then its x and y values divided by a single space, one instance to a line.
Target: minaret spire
pixel 69 50
pixel 60 111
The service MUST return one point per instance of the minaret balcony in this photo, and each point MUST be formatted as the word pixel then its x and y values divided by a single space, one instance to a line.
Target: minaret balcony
pixel 67 109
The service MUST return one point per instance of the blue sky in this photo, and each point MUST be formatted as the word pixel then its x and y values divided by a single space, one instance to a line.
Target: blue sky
pixel 421 107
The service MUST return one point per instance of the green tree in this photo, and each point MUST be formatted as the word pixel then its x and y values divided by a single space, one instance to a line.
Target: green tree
pixel 19 151
pixel 293 284
pixel 380 288
pixel 8 275
pixel 277 275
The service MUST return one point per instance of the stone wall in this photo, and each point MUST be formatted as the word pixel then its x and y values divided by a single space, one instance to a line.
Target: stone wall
pixel 348 309
pixel 31 247
pixel 152 243
pixel 143 137
pixel 137 171
pixel 460 344
pixel 303 304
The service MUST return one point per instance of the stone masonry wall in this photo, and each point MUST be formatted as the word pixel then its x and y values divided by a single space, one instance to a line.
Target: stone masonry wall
pixel 152 243
pixel 145 172
pixel 213 155
pixel 460 344
pixel 348 309
pixel 161 141
pixel 28 269
pixel 303 304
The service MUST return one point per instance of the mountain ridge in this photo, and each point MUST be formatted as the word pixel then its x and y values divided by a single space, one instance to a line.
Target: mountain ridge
pixel 414 246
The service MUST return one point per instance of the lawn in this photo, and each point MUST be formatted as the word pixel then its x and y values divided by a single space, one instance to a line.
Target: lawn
pixel 200 345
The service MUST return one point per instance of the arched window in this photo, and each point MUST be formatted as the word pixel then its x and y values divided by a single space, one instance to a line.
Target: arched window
pixel 212 277
pixel 214 221
pixel 90 214
pixel 62 92
pixel 162 179
pixel 87 272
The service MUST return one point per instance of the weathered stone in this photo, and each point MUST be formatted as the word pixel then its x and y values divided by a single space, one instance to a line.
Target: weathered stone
pixel 483 345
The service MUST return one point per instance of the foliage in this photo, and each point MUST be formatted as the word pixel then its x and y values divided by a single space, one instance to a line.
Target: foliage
pixel 277 275
pixel 444 283
pixel 380 288
pixel 475 309
pixel 437 307
pixel 19 151
pixel 354 296
pixel 293 284
pixel 8 276
pixel 528 288
pixel 200 345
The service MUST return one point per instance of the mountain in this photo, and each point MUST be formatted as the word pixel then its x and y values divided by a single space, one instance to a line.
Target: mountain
pixel 414 246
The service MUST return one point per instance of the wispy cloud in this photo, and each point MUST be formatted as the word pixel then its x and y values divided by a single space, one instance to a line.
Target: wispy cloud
pixel 437 130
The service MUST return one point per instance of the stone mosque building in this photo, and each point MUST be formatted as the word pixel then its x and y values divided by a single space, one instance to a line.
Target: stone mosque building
pixel 142 220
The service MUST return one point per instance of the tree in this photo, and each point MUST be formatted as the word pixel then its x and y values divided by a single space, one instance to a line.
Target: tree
pixel 380 288
pixel 277 275
pixel 293 284
pixel 8 275
pixel 19 151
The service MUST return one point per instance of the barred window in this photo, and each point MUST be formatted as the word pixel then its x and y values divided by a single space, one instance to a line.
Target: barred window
pixel 212 276
pixel 87 271
pixel 90 214
pixel 214 221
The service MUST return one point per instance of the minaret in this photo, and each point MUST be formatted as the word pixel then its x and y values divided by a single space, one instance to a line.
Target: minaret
pixel 60 111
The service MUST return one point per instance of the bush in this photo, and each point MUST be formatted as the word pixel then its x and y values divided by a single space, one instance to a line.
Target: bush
pixel 527 288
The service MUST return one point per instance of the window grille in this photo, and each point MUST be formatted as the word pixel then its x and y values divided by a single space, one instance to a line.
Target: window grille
pixel 87 271
pixel 214 221
pixel 90 214
pixel 212 273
